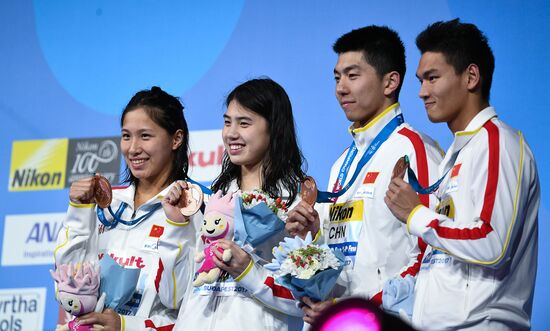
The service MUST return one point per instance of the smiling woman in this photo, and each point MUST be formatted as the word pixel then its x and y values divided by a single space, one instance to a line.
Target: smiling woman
pixel 154 143
pixel 262 154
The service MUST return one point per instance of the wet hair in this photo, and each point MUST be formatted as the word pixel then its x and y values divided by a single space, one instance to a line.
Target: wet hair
pixel 167 112
pixel 282 164
pixel 461 44
pixel 381 47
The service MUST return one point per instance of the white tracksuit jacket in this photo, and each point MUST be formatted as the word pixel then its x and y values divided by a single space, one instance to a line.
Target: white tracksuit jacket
pixel 229 304
pixel 360 219
pixel 360 224
pixel 479 272
pixel 84 238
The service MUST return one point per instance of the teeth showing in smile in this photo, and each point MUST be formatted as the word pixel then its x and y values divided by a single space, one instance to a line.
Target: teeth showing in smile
pixel 137 162
pixel 235 147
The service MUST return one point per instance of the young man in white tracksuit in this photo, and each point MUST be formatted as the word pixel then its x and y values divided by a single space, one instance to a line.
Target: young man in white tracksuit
pixel 369 75
pixel 479 271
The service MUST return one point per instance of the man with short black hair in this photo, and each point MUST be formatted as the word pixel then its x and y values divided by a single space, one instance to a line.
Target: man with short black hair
pixel 369 74
pixel 479 271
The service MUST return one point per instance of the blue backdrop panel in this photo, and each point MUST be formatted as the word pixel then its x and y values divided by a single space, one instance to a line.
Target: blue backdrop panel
pixel 69 67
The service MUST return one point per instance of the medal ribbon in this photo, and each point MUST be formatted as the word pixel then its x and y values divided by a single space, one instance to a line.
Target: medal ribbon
pixel 116 216
pixel 323 196
pixel 413 181
pixel 204 189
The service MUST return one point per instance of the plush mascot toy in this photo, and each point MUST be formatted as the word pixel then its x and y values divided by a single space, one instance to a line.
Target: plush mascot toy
pixel 77 289
pixel 217 224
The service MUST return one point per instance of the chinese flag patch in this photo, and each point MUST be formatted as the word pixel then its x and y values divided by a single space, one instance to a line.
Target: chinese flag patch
pixel 156 231
pixel 455 170
pixel 370 178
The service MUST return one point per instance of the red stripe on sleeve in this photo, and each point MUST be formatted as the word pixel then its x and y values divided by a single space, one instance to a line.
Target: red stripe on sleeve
pixel 159 275
pixel 488 199
pixel 150 324
pixel 421 162
pixel 278 291
pixel 461 234
pixel 492 172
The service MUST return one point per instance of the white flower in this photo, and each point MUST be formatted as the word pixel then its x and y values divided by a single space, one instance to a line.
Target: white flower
pixel 302 259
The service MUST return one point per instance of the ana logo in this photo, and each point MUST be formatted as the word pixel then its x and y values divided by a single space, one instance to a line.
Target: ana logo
pixel 43 232
pixel 31 239
pixel 38 165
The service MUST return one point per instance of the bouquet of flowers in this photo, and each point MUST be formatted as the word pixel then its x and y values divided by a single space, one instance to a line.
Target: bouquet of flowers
pixel 306 269
pixel 258 217
pixel 277 206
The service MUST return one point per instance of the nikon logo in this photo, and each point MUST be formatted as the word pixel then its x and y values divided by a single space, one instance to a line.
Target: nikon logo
pixel 339 213
pixel 34 178
pixel 38 165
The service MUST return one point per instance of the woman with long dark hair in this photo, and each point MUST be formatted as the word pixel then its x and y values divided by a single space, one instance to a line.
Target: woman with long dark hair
pixel 154 143
pixel 262 154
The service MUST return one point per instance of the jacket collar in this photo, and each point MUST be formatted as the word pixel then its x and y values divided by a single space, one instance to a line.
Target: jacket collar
pixel 363 136
pixel 463 137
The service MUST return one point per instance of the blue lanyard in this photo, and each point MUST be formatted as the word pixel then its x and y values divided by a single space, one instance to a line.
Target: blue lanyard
pixel 204 189
pixel 344 169
pixel 413 181
pixel 116 216
pixel 323 196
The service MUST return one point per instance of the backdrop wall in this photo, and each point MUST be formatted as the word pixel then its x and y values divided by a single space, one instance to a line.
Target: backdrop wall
pixel 67 68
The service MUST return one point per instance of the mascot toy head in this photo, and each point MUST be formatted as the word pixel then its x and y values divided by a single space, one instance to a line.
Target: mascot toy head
pixel 218 217
pixel 77 287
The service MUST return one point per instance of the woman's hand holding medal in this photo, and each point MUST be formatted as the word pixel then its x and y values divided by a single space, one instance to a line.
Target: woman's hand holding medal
pixel 303 218
pixel 92 189
pixel 183 200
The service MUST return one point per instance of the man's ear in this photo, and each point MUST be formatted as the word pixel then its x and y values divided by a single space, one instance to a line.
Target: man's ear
pixel 391 83
pixel 177 139
pixel 473 77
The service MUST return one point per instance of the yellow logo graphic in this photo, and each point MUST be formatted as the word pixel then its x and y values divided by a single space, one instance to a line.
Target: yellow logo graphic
pixel 38 165
pixel 446 207
pixel 346 212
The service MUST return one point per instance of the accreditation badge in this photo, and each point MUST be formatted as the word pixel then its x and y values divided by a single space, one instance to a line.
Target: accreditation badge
pixel 346 220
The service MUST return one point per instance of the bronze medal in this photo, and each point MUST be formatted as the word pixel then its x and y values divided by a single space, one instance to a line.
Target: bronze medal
pixel 308 190
pixel 191 200
pixel 103 193
pixel 400 167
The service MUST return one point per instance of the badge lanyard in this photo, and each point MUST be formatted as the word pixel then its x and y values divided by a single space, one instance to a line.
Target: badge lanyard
pixel 323 196
pixel 120 210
